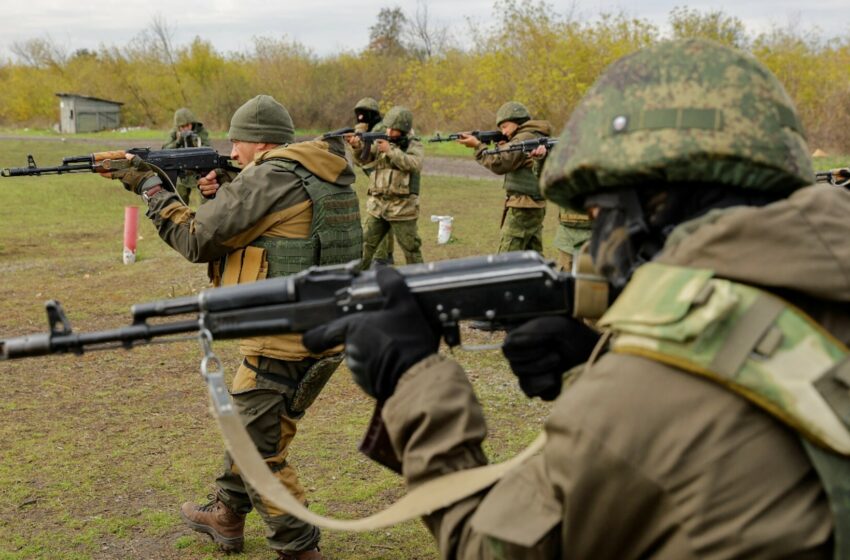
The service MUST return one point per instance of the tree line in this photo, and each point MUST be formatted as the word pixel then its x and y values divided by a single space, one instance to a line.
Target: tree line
pixel 531 53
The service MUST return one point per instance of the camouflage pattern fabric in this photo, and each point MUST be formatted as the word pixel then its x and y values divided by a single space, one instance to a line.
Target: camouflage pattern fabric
pixel 523 230
pixel 648 123
pixel 743 338
pixel 405 232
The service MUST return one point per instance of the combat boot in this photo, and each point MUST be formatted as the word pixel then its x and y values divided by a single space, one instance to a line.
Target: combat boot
pixel 222 524
pixel 303 555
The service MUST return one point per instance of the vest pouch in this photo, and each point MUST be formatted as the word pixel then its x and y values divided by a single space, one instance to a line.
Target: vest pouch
pixel 671 303
pixel 313 382
pixel 244 266
pixel 399 183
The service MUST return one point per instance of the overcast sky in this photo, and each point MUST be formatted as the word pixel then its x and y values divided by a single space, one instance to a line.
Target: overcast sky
pixel 328 26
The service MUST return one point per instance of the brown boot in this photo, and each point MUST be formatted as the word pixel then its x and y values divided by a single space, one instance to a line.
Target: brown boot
pixel 222 524
pixel 303 555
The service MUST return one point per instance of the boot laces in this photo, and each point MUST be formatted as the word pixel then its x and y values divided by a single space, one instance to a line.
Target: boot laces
pixel 213 500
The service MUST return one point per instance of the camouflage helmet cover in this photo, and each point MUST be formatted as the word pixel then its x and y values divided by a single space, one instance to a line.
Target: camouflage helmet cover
pixel 679 112
pixel 399 118
pixel 367 104
pixel 183 116
pixel 512 111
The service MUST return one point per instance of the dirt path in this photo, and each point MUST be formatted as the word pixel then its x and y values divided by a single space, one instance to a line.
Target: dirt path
pixel 434 165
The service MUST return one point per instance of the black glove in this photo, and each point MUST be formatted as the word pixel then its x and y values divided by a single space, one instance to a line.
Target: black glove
pixel 137 177
pixel 543 349
pixel 380 345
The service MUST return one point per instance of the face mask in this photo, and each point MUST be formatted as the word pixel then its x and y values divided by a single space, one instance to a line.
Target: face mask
pixel 619 231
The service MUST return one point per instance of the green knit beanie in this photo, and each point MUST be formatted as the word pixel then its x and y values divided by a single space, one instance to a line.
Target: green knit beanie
pixel 264 120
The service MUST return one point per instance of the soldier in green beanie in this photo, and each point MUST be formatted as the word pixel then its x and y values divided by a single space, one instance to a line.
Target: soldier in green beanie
pixel 188 132
pixel 393 203
pixel 291 207
pixel 712 420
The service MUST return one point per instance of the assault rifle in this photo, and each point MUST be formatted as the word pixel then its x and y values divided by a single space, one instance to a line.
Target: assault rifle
pixel 168 163
pixel 526 146
pixel 338 133
pixel 484 136
pixel 505 288
pixel 840 177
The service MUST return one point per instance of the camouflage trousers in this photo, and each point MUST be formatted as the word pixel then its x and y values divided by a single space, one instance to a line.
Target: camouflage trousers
pixel 384 252
pixel 405 232
pixel 186 186
pixel 263 390
pixel 523 230
pixel 568 240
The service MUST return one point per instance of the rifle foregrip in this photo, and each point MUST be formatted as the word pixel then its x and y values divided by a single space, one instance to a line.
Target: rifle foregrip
pixel 114 154
pixel 25 346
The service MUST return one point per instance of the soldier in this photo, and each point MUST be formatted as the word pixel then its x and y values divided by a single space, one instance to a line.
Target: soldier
pixel 522 219
pixel 393 203
pixel 187 133
pixel 713 423
pixel 291 207
pixel 369 118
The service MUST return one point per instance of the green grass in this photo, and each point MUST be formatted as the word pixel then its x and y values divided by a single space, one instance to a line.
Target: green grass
pixel 100 450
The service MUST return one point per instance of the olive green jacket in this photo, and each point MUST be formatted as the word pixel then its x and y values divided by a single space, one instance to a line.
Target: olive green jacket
pixel 175 140
pixel 644 460
pixel 506 162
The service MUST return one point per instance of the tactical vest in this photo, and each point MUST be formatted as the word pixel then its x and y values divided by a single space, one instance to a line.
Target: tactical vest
pixel 378 188
pixel 523 180
pixel 756 345
pixel 335 233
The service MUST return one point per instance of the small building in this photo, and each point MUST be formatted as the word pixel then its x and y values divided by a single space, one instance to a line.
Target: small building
pixel 80 113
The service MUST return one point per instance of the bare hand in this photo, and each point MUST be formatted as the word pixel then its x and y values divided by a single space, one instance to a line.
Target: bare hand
pixel 539 152
pixel 383 146
pixel 208 184
pixel 353 140
pixel 469 141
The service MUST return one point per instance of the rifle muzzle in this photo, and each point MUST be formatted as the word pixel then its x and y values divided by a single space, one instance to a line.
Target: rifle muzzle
pixel 25 346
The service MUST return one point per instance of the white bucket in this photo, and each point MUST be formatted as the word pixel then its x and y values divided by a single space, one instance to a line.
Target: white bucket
pixel 444 232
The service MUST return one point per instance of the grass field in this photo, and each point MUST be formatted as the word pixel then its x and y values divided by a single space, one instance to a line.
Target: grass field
pixel 99 451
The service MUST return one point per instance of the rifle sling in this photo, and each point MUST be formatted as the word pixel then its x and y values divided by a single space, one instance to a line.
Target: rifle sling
pixel 422 500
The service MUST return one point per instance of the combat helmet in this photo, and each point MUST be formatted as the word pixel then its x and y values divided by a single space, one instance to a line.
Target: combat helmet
pixel 512 111
pixel 681 112
pixel 367 104
pixel 264 120
pixel 183 116
pixel 399 118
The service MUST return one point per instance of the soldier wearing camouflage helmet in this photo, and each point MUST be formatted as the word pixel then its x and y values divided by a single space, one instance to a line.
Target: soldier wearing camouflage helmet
pixel 713 421
pixel 393 203
pixel 291 207
pixel 188 132
pixel 525 208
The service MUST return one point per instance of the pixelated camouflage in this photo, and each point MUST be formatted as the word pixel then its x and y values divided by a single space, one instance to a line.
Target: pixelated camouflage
pixel 367 104
pixel 399 118
pixel 691 320
pixel 512 111
pixel 681 112
pixel 183 116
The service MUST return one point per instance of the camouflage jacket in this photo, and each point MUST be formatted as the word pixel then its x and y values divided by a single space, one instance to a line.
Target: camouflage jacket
pixel 642 459
pixel 263 200
pixel 511 162
pixel 394 181
pixel 176 140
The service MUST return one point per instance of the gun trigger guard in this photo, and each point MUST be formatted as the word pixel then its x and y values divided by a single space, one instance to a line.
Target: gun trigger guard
pixel 55 316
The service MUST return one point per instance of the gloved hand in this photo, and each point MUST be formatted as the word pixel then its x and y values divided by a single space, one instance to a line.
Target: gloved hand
pixel 380 345
pixel 543 349
pixel 135 176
